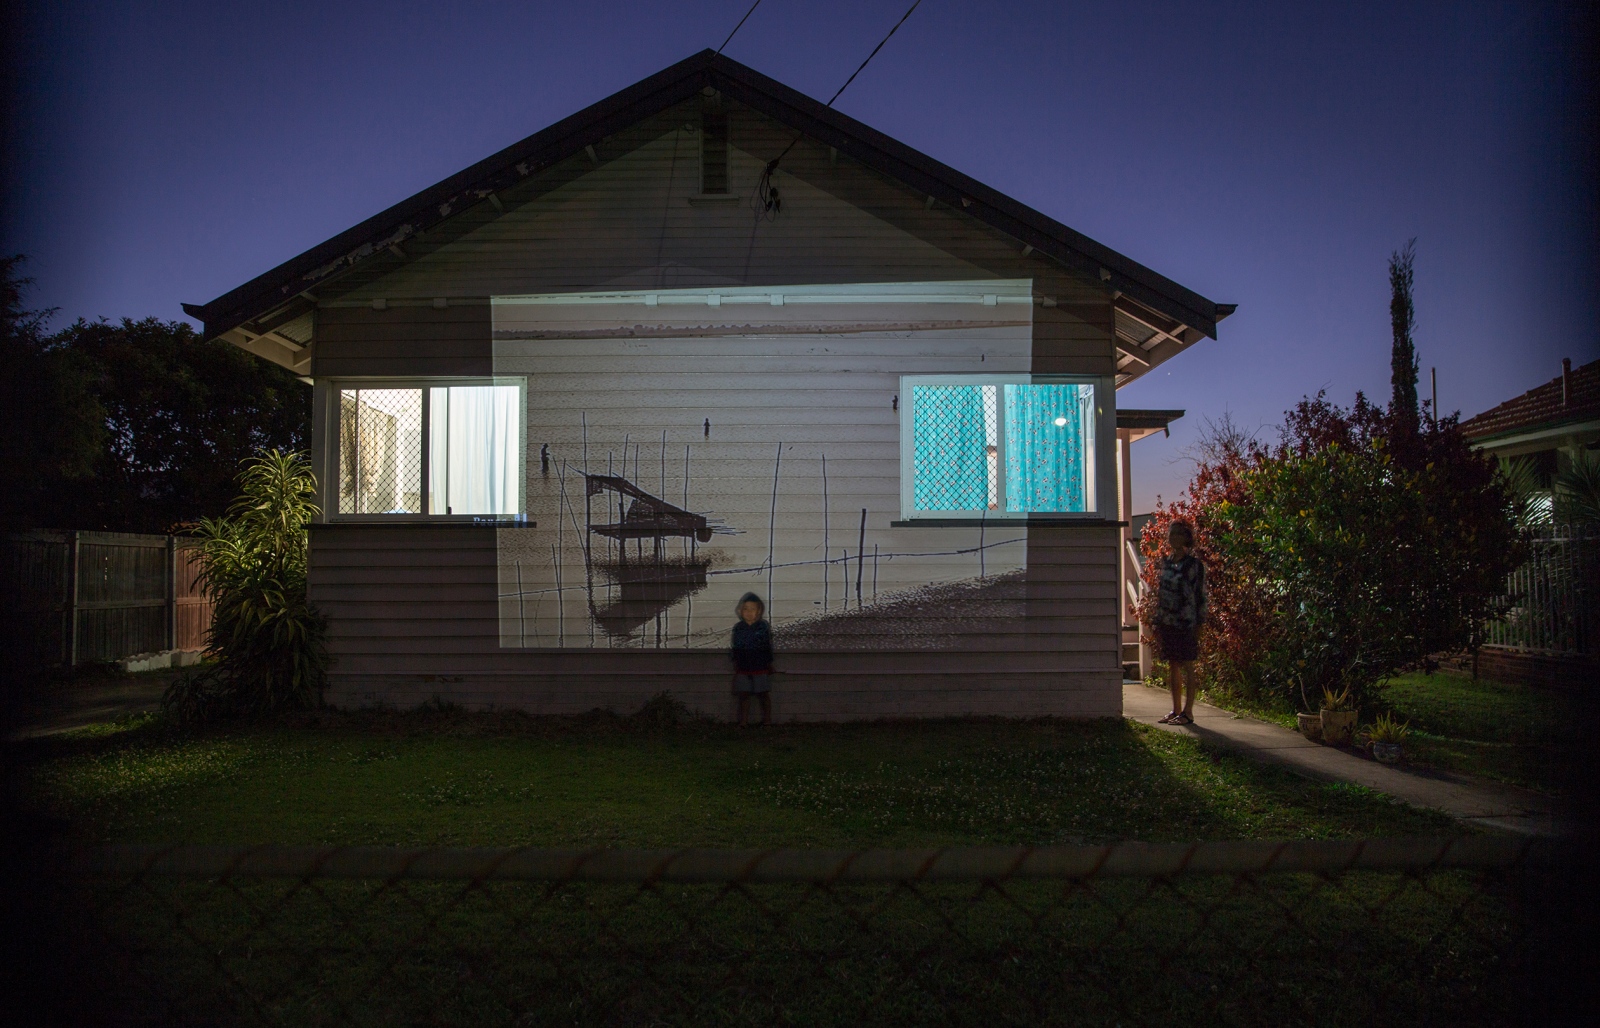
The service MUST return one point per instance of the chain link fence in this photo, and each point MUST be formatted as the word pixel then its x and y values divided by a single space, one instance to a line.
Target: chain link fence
pixel 1412 931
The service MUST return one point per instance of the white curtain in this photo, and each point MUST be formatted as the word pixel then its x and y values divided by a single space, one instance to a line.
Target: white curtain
pixel 474 452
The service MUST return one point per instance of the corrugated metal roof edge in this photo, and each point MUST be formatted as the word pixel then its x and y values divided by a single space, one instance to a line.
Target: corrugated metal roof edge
pixel 658 92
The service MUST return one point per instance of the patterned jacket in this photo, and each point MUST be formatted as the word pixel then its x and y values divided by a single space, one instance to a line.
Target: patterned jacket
pixel 1181 602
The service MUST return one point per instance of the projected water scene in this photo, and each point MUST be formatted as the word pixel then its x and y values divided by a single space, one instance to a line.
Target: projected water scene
pixel 684 447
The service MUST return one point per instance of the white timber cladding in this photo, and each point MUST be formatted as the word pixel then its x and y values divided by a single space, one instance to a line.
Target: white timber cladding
pixel 794 330
pixel 774 422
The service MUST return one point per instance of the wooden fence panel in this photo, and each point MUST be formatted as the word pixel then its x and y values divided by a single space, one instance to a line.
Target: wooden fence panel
pixel 122 595
pixel 36 596
pixel 190 607
pixel 78 597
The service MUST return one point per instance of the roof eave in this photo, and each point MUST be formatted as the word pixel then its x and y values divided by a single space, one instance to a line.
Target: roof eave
pixel 1536 432
pixel 421 211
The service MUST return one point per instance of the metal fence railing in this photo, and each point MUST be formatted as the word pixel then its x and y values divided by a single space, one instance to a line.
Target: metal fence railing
pixel 1329 932
pixel 1553 606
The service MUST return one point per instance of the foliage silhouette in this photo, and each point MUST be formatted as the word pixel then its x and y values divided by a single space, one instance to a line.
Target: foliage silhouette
pixel 268 638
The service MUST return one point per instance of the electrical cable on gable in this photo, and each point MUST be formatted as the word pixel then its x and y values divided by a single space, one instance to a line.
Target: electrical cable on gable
pixel 739 26
pixel 768 202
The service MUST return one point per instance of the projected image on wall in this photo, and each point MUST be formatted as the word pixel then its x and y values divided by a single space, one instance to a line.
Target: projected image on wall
pixel 864 457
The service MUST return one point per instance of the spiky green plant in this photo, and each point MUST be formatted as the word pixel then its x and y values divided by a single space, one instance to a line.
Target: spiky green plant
pixel 1532 499
pixel 1387 729
pixel 1577 489
pixel 269 640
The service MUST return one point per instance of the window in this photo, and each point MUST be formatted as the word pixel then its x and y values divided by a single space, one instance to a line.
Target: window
pixel 991 447
pixel 430 449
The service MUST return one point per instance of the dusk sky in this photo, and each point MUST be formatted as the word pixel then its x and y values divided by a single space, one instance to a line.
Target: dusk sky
pixel 1268 155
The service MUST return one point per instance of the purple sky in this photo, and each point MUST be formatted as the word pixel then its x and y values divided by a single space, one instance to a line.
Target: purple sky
pixel 1264 154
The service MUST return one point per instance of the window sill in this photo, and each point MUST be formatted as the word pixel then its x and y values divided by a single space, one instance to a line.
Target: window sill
pixel 416 522
pixel 1037 519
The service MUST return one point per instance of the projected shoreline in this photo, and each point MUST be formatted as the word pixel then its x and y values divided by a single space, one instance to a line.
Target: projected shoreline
pixel 686 447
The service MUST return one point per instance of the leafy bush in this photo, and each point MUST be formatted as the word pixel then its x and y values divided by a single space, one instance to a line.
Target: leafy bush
pixel 1347 552
pixel 1236 630
pixel 1322 534
pixel 268 639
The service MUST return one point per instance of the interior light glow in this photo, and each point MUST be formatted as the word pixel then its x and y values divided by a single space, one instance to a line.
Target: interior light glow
pixel 1060 422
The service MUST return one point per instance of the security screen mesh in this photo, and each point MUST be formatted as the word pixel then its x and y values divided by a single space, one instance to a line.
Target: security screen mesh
pixel 380 451
pixel 955 431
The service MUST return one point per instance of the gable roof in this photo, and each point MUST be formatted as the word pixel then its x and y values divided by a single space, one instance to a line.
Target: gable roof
pixel 1151 307
pixel 1546 406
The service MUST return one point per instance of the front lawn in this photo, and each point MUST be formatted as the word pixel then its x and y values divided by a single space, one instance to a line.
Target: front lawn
pixel 1509 733
pixel 1252 950
pixel 455 779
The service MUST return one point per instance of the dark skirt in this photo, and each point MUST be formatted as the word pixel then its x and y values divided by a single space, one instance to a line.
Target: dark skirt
pixel 1178 645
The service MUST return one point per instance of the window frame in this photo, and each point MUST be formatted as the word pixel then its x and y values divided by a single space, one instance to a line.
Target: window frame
pixel 329 409
pixel 1105 430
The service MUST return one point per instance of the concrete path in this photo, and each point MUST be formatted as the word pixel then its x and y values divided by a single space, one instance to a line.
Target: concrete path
pixel 1468 799
pixel 80 704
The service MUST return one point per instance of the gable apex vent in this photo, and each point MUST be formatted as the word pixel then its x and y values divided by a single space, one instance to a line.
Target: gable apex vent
pixel 713 147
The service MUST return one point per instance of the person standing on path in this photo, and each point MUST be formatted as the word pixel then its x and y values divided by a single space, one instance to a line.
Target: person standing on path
pixel 1181 604
pixel 752 657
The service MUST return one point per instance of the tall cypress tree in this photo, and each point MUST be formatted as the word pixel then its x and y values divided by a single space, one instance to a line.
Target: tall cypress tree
pixel 1403 361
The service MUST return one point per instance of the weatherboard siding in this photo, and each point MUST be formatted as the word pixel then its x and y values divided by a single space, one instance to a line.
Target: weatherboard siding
pixel 427 628
pixel 421 612
pixel 636 220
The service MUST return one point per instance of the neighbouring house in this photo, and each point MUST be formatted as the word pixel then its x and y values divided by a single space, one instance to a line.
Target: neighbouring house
pixel 1551 633
pixel 1546 424
pixel 707 337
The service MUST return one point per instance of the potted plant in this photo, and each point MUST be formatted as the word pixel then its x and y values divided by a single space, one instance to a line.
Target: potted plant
pixel 1310 725
pixel 1388 739
pixel 1338 717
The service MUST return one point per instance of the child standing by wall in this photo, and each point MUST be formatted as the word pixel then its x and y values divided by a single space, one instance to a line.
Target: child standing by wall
pixel 1180 611
pixel 752 657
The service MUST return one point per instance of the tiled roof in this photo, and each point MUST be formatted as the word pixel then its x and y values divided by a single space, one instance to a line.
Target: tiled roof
pixel 1542 406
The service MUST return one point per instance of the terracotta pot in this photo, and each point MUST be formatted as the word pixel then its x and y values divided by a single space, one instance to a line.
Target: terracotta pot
pixel 1338 726
pixel 1311 726
pixel 1387 752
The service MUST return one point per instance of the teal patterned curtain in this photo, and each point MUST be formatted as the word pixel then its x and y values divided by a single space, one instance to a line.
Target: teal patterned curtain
pixel 951 470
pixel 1047 435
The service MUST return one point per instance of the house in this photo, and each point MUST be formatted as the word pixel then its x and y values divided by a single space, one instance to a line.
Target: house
pixel 1550 633
pixel 706 337
pixel 1546 423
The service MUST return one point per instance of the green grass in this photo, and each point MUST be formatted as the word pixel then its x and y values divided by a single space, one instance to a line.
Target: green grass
pixel 1289 949
pixel 1509 733
pixel 451 779
pixel 1262 710
pixel 1264 950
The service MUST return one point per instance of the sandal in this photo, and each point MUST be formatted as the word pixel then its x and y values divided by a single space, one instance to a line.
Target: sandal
pixel 1170 718
pixel 1182 719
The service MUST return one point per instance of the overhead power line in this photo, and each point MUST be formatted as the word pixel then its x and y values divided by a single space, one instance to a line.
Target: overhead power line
pixel 766 198
pixel 874 53
pixel 739 26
